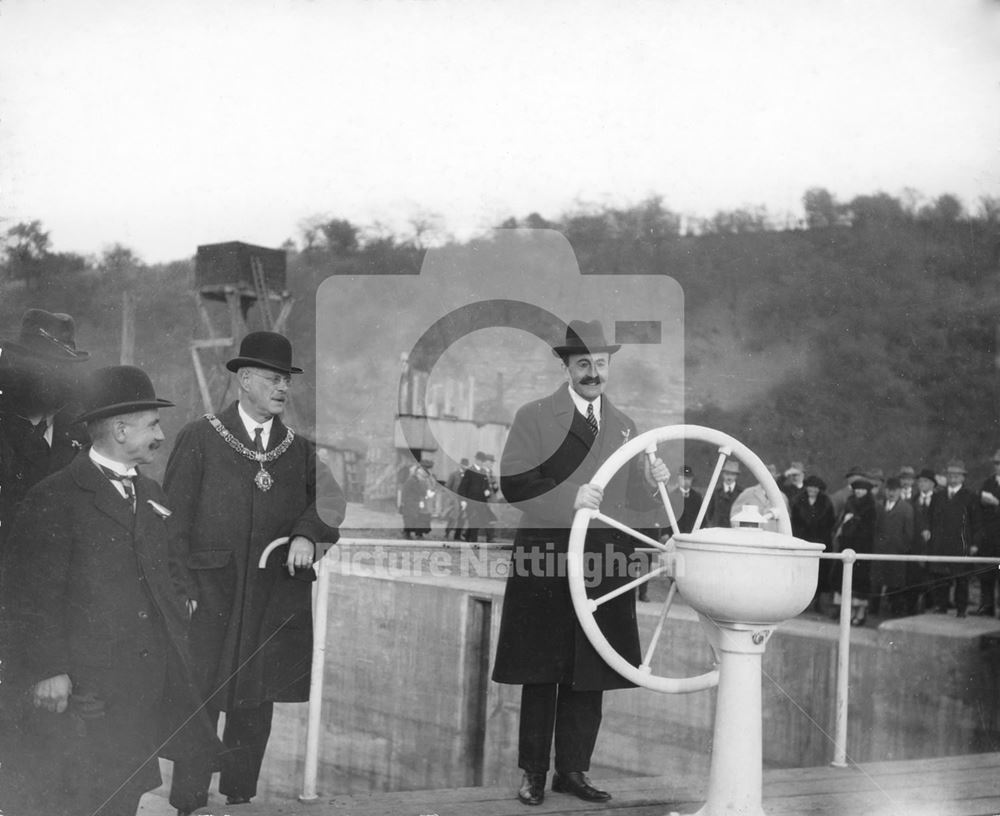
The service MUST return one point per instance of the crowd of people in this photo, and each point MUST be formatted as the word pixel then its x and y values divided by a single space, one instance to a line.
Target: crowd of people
pixel 464 504
pixel 926 513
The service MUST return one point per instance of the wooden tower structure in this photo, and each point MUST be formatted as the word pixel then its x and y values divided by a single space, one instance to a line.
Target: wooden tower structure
pixel 231 279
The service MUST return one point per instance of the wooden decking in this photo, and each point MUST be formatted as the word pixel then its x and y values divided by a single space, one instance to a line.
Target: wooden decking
pixel 950 786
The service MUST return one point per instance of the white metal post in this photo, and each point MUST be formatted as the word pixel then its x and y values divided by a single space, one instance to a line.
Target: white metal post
pixel 843 660
pixel 321 601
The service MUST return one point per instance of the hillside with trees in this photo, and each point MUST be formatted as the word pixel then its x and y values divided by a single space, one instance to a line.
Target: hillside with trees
pixel 867 334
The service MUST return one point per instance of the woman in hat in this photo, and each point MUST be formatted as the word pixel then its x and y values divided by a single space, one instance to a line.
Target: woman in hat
pixel 857 532
pixel 813 520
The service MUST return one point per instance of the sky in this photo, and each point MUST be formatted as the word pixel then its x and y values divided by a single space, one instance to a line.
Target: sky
pixel 162 126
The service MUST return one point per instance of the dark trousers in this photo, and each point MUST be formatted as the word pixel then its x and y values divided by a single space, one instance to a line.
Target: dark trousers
pixel 245 739
pixel 941 588
pixel 574 717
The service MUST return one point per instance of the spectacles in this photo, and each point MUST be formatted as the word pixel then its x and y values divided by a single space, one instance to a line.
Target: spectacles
pixel 275 379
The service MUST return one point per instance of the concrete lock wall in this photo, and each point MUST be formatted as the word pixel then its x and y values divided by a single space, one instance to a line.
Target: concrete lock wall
pixel 408 703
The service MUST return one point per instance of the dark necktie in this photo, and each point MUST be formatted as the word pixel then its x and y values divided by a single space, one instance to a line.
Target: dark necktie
pixel 124 481
pixel 591 419
pixel 258 440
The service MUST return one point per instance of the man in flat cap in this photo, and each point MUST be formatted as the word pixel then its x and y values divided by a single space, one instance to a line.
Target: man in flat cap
pixel 553 450
pixel 237 482
pixel 98 625
pixel 39 433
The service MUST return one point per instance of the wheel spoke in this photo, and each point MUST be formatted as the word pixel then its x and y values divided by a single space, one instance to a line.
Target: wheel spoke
pixel 724 454
pixel 659 626
pixel 596 602
pixel 645 539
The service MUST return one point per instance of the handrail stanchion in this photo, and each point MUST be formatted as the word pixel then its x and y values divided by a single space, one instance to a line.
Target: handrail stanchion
pixel 843 660
pixel 321 602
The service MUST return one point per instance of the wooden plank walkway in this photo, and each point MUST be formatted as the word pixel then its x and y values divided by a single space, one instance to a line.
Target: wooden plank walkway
pixel 948 786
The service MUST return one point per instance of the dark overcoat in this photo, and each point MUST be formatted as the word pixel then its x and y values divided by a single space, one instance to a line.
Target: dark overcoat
pixel 815 521
pixel 720 507
pixel 251 634
pixel 415 508
pixel 893 536
pixel 477 489
pixel 550 452
pixel 858 534
pixel 989 515
pixel 26 459
pixel 923 522
pixel 92 594
pixel 956 522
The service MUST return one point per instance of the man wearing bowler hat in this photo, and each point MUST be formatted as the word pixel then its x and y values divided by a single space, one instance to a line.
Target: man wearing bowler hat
pixel 236 482
pixel 39 433
pixel 554 448
pixel 98 627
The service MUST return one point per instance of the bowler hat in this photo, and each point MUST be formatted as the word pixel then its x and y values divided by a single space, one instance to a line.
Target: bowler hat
pixel 585 338
pixel 687 471
pixel 927 473
pixel 117 390
pixel 892 483
pixel 264 349
pixel 861 484
pixel 49 336
pixel 906 470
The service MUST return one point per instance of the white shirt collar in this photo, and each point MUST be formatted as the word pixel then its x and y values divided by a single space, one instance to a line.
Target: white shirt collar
pixel 111 464
pixel 250 424
pixel 581 404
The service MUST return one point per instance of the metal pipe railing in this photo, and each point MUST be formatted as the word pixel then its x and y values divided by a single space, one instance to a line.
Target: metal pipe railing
pixel 849 557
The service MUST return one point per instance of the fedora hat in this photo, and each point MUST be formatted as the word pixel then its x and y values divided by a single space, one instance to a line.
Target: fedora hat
pixel 263 349
pixel 927 473
pixel 47 336
pixel 585 338
pixel 956 466
pixel 731 466
pixel 117 390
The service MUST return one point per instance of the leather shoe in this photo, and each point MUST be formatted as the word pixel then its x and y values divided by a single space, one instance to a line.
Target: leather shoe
pixel 237 800
pixel 532 790
pixel 577 784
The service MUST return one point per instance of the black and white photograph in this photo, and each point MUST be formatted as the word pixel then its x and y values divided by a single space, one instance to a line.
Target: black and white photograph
pixel 438 408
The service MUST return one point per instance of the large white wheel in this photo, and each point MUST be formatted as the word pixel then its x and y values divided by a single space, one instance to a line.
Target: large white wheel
pixel 585 607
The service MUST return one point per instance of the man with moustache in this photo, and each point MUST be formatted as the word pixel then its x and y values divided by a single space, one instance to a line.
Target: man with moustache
pixel 554 448
pixel 99 629
pixel 236 482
